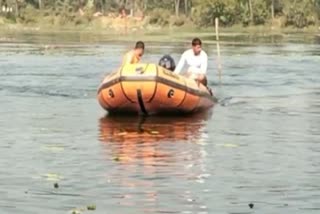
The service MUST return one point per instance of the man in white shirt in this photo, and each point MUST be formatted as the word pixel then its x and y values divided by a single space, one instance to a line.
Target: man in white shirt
pixel 196 60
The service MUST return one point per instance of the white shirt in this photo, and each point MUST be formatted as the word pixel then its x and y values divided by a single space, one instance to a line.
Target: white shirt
pixel 197 63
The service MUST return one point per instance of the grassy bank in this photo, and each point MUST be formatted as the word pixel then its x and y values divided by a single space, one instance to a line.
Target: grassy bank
pixel 118 26
pixel 104 29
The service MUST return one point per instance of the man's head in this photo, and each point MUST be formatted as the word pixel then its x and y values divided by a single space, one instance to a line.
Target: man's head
pixel 167 62
pixel 139 48
pixel 196 46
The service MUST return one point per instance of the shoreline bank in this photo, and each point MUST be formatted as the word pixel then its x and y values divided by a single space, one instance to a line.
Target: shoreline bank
pixel 115 30
pixel 116 26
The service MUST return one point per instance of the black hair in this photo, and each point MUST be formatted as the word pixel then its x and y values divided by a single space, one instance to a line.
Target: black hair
pixel 167 62
pixel 139 45
pixel 196 41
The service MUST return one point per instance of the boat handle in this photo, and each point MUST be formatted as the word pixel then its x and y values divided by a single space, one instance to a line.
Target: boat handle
pixel 170 93
pixel 111 94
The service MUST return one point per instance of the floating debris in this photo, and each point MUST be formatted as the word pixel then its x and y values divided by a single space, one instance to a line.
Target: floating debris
pixel 56 185
pixel 78 210
pixel 91 207
pixel 228 145
pixel 53 148
pixel 122 134
pixel 154 132
pixel 53 177
pixel 121 159
pixel 117 159
pixel 251 205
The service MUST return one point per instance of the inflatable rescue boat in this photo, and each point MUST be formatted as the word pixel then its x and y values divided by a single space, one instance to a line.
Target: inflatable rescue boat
pixel 151 89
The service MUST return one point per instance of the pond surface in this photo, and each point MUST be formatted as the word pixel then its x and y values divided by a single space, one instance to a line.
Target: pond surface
pixel 260 145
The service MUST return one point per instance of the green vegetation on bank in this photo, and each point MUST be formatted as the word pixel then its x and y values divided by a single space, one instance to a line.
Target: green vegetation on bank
pixel 108 14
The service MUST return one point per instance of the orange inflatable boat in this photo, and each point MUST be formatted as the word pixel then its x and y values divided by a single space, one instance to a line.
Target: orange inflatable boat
pixel 150 89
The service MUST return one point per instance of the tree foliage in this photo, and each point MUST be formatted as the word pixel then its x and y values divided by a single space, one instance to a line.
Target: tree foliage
pixel 297 13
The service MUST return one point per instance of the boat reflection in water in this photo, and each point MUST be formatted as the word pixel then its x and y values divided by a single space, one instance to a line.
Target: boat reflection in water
pixel 154 160
pixel 140 137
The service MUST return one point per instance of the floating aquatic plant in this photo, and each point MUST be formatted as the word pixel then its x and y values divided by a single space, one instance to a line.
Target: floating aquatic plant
pixel 117 159
pixel 91 207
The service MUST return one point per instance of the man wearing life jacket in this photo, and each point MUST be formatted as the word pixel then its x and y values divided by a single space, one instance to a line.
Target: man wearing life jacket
pixel 134 56
pixel 197 61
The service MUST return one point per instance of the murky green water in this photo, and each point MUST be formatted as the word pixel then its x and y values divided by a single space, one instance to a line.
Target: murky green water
pixel 260 145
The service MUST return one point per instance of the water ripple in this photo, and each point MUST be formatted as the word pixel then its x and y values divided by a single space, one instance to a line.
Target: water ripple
pixel 260 145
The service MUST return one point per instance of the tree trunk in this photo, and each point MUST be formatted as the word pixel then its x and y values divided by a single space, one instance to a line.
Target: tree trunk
pixel 145 5
pixel 40 4
pixel 132 7
pixel 272 9
pixel 177 6
pixel 186 7
pixel 17 8
pixel 103 2
pixel 251 11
